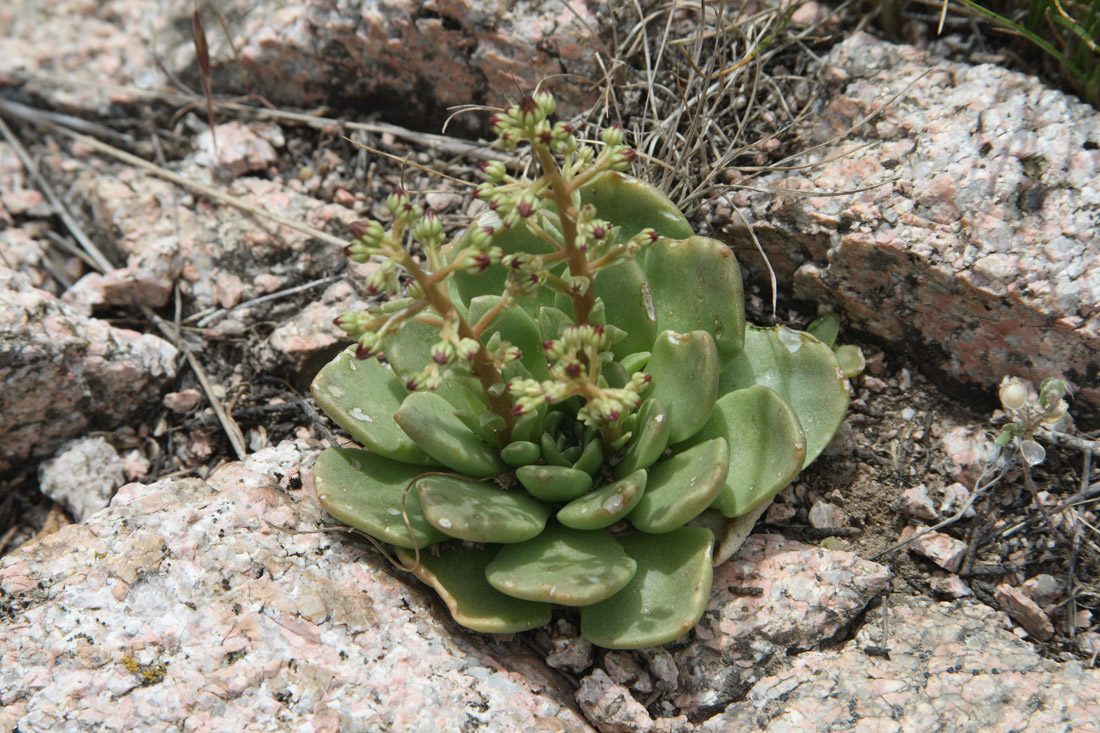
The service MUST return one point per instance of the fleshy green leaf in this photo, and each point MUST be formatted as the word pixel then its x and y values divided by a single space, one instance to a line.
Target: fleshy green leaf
pixel 428 419
pixel 554 483
pixel 591 458
pixel 458 576
pixel 767 447
pixel 517 327
pixel 681 487
pixel 364 491
pixel 479 511
pixel 851 360
pixel 634 205
pixel 651 431
pixel 606 505
pixel 361 396
pixel 562 565
pixel 520 453
pixel 802 371
pixel 684 371
pixel 696 285
pixel 665 598
pixel 825 329
pixel 629 304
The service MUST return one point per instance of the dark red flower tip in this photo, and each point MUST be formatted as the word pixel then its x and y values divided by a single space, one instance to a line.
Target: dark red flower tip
pixel 527 104
pixel 547 345
pixel 362 352
pixel 546 136
pixel 517 410
pixel 410 385
pixel 567 128
pixel 359 228
pixel 493 122
pixel 347 250
pixel 525 209
pixel 336 321
pixel 372 290
pixel 573 370
pixel 599 232
pixel 494 204
pixel 597 329
pixel 627 154
pixel 484 165
pixel 653 237
pixel 399 191
pixel 439 357
pixel 614 415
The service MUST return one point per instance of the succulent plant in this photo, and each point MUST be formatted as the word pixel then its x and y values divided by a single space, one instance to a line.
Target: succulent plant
pixel 572 411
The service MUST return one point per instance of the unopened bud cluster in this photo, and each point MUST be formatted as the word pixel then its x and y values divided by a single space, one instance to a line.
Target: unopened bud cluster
pixel 576 370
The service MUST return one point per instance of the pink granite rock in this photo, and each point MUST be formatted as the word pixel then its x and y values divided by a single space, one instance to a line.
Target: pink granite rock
pixel 1023 609
pixel 64 373
pixel 218 606
pixel 307 340
pixel 917 503
pixel 942 549
pixel 807 595
pixel 402 55
pixel 951 666
pixel 83 476
pixel 975 236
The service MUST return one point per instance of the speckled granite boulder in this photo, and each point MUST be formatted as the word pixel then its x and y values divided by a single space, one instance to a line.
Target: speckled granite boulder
pixel 975 246
pixel 400 55
pixel 218 606
pixel 807 596
pixel 952 666
pixel 64 373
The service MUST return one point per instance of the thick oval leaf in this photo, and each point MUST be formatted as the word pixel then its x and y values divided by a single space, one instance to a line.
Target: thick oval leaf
pixel 429 420
pixel 651 431
pixel 480 512
pixel 517 327
pixel 364 491
pixel 684 371
pixel 554 483
pixel 458 576
pixel 591 458
pixel 681 487
pixel 629 305
pixel 825 329
pixel 851 360
pixel 665 598
pixel 696 285
pixel 409 349
pixel 767 447
pixel 802 371
pixel 634 205
pixel 520 453
pixel 606 505
pixel 562 565
pixel 361 396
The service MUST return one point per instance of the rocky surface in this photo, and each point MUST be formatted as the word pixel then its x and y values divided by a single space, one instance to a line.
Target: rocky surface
pixel 398 56
pixel 83 476
pixel 219 605
pixel 973 237
pixel 940 666
pixel 65 373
